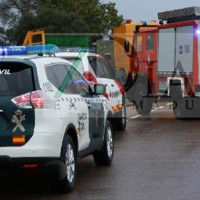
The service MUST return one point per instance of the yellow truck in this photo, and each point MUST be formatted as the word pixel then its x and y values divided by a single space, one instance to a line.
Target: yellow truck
pixel 35 37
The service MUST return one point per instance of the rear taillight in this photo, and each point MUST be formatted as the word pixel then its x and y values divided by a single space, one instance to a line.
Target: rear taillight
pixel 121 87
pixel 40 99
pixel 90 77
pixel 23 101
pixel 37 99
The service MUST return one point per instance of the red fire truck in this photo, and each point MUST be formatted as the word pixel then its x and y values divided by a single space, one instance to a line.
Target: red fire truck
pixel 165 63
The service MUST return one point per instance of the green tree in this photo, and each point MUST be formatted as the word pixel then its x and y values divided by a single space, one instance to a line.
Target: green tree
pixel 98 18
pixel 58 21
pixel 12 10
pixel 59 16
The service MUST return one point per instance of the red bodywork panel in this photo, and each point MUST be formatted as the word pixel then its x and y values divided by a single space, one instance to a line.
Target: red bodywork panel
pixel 144 58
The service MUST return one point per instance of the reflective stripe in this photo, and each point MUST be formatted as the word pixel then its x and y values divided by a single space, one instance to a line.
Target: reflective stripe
pixel 117 108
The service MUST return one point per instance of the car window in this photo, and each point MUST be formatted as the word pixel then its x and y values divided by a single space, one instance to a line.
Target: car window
pixel 15 79
pixel 96 66
pixel 107 70
pixel 58 75
pixel 100 68
pixel 81 85
pixel 50 76
pixel 150 42
pixel 137 44
pixel 93 63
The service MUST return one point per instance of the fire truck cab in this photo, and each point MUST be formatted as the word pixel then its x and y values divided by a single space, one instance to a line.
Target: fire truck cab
pixel 165 63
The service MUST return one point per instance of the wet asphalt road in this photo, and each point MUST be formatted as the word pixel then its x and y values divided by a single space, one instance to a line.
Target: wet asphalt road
pixel 156 158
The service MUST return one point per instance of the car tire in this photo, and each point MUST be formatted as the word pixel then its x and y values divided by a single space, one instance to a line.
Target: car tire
pixel 68 156
pixel 105 155
pixel 120 122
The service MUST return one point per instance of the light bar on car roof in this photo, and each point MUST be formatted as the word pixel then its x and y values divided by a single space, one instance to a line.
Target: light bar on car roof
pixel 32 49
pixel 13 50
pixel 46 49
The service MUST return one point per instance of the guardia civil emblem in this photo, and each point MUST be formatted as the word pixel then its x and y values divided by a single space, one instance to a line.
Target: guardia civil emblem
pixel 17 119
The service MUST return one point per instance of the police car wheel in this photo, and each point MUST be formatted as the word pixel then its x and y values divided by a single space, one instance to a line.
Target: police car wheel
pixel 105 155
pixel 68 156
pixel 120 122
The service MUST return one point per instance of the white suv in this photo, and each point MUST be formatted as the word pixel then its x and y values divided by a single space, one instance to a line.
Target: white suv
pixel 97 70
pixel 49 114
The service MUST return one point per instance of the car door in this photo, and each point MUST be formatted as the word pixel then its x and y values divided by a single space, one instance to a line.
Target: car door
pixel 106 76
pixel 17 118
pixel 70 105
pixel 95 109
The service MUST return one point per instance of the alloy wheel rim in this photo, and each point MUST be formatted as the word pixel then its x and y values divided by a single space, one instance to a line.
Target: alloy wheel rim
pixel 109 142
pixel 123 115
pixel 70 163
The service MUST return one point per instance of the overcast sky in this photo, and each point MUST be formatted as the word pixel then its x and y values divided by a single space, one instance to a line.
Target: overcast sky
pixel 139 10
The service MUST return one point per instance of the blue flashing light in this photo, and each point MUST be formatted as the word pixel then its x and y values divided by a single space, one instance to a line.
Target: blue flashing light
pixel 32 49
pixel 198 31
pixel 144 23
pixel 43 49
pixel 13 50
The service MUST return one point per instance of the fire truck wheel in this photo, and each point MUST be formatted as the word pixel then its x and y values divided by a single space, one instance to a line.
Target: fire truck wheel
pixel 179 109
pixel 120 122
pixel 186 108
pixel 143 105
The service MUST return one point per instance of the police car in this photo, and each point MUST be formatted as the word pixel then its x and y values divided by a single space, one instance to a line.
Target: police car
pixel 50 115
pixel 97 70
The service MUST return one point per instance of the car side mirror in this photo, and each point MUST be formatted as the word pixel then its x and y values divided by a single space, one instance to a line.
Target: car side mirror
pixel 127 46
pixel 99 89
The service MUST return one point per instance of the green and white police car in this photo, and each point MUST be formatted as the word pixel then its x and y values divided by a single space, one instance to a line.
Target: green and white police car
pixel 49 114
pixel 97 70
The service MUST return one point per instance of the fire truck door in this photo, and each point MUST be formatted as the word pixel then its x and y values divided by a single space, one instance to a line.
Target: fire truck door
pixel 136 61
pixel 149 57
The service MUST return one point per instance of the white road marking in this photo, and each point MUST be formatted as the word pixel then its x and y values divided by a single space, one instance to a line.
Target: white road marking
pixel 136 116
pixel 160 107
